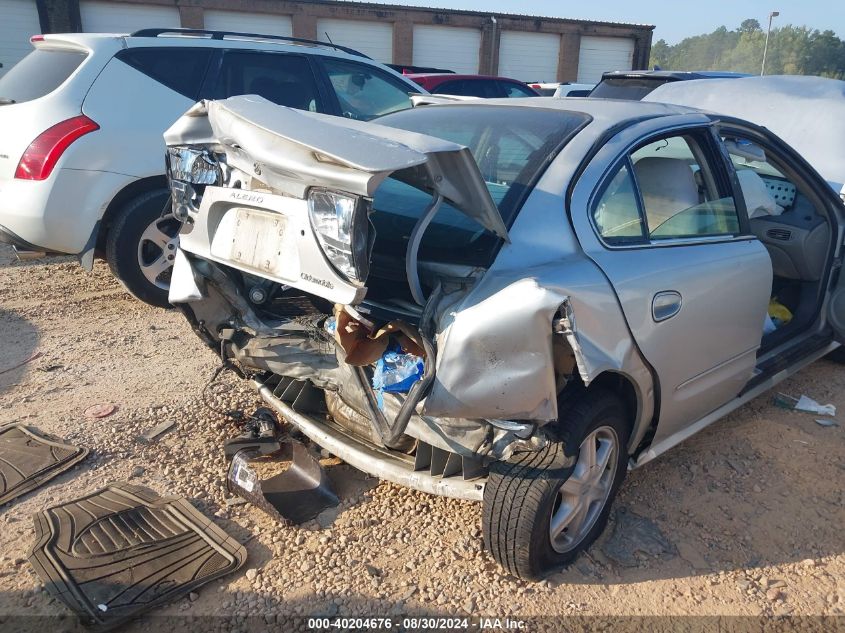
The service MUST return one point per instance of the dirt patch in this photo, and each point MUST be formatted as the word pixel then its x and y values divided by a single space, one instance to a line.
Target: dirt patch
pixel 743 519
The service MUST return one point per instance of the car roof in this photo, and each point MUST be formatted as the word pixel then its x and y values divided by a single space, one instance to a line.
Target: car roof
pixel 673 74
pixel 451 76
pixel 605 114
pixel 619 109
pixel 200 38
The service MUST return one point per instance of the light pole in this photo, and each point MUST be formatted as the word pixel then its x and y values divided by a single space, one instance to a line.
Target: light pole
pixel 773 14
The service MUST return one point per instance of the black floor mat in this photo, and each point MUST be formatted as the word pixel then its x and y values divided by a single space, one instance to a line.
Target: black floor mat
pixel 28 459
pixel 121 550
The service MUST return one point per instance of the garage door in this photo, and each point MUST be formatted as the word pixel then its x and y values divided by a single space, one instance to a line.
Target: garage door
pixel 264 23
pixel 601 54
pixel 447 47
pixel 19 22
pixel 529 56
pixel 117 17
pixel 371 38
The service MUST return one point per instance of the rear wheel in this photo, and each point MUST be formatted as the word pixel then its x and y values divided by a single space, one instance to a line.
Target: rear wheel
pixel 542 509
pixel 141 246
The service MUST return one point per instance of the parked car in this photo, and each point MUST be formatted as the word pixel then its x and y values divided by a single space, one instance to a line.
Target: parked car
pixel 635 84
pixel 409 69
pixel 573 90
pixel 472 85
pixel 544 88
pixel 74 107
pixel 509 301
pixel 565 89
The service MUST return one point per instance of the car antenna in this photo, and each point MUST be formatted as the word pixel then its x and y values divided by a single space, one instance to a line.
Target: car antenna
pixel 326 33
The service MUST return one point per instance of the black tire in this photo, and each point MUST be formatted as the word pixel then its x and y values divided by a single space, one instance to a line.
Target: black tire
pixel 126 254
pixel 521 495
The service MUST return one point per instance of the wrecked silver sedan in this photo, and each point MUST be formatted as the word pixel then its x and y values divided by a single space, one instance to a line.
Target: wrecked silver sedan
pixel 510 303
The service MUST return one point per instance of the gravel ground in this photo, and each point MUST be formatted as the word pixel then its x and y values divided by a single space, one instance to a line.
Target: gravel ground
pixel 745 518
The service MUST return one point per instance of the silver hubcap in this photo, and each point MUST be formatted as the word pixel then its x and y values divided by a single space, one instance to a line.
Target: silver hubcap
pixel 581 497
pixel 157 250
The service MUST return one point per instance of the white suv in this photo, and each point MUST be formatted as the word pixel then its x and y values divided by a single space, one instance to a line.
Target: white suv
pixel 81 123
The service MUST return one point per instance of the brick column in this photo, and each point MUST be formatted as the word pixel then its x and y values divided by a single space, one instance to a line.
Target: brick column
pixel 305 26
pixel 642 52
pixel 488 58
pixel 59 16
pixel 403 42
pixel 568 56
pixel 191 17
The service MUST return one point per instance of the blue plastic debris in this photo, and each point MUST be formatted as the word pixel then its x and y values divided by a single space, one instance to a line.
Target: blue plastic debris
pixel 330 325
pixel 396 372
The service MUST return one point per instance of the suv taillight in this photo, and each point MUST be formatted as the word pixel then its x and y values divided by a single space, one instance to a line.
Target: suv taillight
pixel 44 152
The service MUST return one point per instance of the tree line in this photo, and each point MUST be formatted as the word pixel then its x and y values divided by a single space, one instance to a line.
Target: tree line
pixel 793 50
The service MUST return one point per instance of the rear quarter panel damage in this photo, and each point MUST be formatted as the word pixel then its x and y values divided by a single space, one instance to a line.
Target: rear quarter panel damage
pixel 495 352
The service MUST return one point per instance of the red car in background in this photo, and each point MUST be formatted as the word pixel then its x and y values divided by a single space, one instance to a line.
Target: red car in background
pixel 472 85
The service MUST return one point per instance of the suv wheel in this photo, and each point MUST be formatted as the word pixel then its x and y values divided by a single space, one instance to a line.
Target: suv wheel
pixel 543 509
pixel 141 246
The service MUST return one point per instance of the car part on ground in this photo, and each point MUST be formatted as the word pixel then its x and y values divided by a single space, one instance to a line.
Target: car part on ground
pixel 297 494
pixel 119 551
pixel 29 459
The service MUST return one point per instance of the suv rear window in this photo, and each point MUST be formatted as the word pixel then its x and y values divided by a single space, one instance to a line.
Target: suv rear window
pixel 38 74
pixel 633 88
pixel 181 69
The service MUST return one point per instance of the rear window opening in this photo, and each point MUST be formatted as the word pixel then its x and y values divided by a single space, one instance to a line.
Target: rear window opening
pixel 38 74
pixel 510 158
pixel 633 88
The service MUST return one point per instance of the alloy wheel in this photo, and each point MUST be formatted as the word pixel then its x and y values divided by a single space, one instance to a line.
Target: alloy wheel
pixel 157 250
pixel 582 496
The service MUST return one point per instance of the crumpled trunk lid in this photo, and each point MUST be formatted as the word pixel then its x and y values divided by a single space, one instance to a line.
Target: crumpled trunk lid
pixel 279 154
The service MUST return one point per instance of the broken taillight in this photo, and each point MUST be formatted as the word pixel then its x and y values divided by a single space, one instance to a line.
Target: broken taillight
pixel 341 224
pixel 44 152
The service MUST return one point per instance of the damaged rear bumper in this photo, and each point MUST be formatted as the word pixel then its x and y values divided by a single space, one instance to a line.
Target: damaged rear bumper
pixel 394 466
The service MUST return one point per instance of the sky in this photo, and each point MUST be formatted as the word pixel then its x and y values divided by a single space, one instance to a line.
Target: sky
pixel 674 20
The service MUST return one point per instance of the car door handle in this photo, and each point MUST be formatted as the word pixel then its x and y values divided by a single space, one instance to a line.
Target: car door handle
pixel 665 305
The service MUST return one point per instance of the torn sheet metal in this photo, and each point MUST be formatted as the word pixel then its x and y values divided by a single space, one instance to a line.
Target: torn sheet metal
pixel 806 112
pixel 495 356
pixel 495 344
pixel 292 150
pixel 185 286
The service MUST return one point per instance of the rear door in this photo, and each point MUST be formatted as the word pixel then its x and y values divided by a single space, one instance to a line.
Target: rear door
pixel 655 210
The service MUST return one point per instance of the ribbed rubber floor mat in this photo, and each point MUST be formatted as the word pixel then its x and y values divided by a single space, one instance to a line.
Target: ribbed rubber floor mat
pixel 121 550
pixel 28 460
